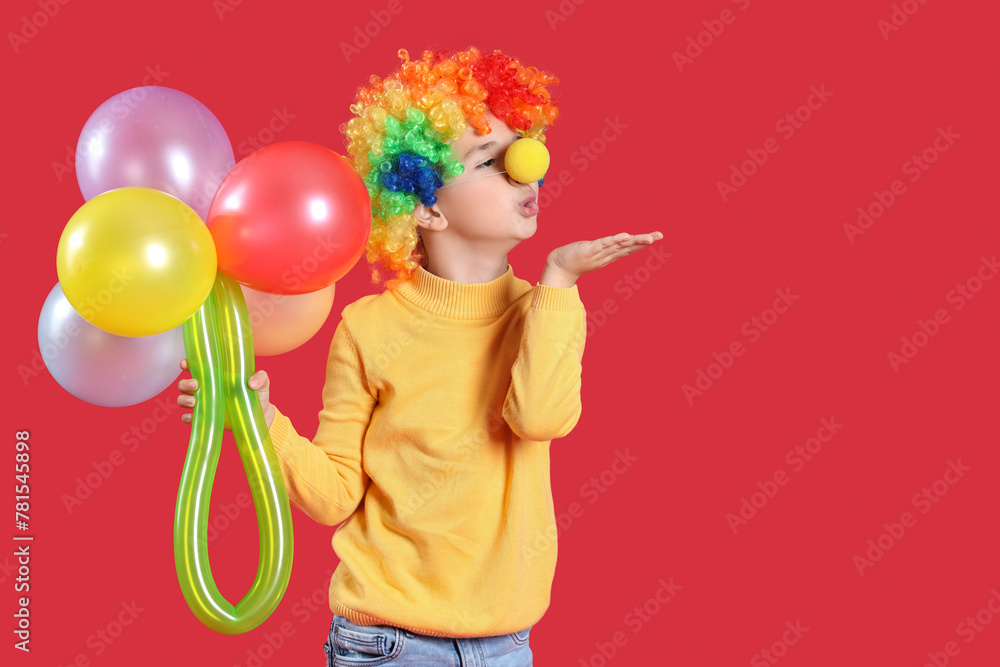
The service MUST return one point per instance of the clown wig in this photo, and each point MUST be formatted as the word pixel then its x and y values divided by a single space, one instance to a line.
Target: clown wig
pixel 401 126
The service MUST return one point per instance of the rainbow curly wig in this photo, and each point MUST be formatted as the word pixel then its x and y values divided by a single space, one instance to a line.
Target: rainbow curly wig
pixel 398 138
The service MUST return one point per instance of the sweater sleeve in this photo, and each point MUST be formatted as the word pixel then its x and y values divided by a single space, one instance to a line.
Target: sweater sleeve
pixel 543 401
pixel 325 478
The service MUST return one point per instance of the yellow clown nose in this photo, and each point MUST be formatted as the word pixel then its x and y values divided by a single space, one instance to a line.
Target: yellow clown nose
pixel 527 160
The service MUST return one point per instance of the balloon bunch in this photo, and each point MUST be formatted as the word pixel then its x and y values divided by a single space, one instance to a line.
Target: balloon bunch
pixel 173 242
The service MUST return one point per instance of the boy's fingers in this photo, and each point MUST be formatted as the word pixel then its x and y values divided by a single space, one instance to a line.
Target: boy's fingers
pixel 188 385
pixel 626 238
pixel 627 246
pixel 622 252
pixel 258 380
pixel 184 364
pixel 612 248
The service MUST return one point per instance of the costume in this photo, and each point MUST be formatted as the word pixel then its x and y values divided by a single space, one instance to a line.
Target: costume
pixel 440 402
pixel 399 138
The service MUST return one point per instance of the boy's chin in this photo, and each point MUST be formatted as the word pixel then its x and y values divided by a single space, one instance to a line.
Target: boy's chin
pixel 529 228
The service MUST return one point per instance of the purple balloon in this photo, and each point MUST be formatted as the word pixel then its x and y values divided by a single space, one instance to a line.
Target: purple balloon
pixel 99 367
pixel 154 137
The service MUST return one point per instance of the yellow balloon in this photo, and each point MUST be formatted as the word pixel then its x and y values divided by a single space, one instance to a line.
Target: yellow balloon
pixel 136 261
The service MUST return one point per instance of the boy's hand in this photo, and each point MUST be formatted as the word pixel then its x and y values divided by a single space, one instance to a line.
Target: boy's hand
pixel 567 263
pixel 258 381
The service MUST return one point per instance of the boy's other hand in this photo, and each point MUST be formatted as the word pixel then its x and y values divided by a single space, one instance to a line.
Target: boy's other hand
pixel 567 263
pixel 258 381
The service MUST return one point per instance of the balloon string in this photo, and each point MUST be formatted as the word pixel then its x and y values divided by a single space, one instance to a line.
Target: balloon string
pixel 219 347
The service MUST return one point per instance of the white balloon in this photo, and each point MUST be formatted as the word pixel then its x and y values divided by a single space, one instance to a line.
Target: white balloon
pixel 101 368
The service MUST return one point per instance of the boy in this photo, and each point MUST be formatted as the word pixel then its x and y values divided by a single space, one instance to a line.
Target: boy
pixel 444 392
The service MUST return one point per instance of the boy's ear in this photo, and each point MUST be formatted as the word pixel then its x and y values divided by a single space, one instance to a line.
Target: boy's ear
pixel 430 217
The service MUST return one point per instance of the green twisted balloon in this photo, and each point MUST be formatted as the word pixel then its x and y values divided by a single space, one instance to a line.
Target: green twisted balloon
pixel 219 348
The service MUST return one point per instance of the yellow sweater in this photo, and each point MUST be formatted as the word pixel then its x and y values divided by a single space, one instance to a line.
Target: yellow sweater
pixel 441 399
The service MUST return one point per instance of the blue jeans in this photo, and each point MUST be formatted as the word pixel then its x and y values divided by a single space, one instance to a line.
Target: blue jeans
pixel 355 645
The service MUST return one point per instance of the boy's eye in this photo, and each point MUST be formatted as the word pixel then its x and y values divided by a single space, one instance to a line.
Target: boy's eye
pixel 485 165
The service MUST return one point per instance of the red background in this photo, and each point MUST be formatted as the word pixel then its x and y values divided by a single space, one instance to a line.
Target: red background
pixel 665 516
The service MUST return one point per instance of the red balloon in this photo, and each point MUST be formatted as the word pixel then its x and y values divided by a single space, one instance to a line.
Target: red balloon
pixel 290 218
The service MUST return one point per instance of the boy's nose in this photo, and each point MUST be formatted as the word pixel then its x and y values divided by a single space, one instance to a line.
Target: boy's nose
pixel 532 186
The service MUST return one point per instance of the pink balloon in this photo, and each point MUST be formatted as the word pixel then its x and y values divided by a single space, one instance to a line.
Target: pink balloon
pixel 282 322
pixel 154 137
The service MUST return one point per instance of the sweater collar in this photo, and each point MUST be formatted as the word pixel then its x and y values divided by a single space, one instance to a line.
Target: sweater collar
pixel 463 301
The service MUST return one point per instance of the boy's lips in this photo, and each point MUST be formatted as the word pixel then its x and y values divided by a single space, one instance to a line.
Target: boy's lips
pixel 529 207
